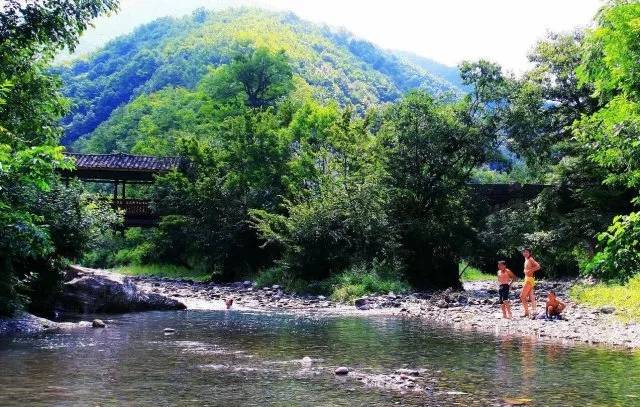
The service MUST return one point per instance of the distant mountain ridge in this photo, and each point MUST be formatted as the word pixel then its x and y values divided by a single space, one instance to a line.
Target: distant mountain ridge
pixel 176 52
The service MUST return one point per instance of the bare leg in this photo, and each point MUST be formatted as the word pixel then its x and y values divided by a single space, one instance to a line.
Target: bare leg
pixel 504 310
pixel 524 297
pixel 532 296
pixel 508 307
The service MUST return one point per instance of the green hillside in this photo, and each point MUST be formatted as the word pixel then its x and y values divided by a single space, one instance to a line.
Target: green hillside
pixel 328 64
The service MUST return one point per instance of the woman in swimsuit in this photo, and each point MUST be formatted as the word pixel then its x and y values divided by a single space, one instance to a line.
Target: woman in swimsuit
pixel 527 294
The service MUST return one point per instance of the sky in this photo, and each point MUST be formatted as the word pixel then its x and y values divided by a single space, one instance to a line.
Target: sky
pixel 447 31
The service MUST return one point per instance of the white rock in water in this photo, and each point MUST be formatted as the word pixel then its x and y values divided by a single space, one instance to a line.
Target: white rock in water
pixel 169 330
pixel 306 360
pixel 341 371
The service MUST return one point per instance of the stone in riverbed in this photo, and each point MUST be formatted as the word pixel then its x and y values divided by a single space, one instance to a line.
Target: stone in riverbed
pixel 104 292
pixel 341 371
pixel 363 303
pixel 169 330
pixel 608 309
pixel 98 323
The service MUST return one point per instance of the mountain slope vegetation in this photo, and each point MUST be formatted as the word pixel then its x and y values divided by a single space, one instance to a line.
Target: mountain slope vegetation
pixel 328 64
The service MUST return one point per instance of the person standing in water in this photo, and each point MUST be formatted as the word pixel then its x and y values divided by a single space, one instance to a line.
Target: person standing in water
pixel 505 278
pixel 527 293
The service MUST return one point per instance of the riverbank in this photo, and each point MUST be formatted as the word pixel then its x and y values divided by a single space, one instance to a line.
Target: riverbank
pixel 475 308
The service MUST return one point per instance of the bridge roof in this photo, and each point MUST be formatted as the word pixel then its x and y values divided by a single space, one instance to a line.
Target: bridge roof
pixel 120 166
pixel 120 161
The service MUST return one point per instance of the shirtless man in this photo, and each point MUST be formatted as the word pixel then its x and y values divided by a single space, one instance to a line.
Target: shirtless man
pixel 527 293
pixel 505 279
pixel 553 307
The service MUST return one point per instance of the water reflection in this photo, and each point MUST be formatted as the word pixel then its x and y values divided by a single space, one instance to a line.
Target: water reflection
pixel 254 359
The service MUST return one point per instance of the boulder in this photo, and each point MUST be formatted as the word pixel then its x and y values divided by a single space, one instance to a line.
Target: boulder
pixel 98 323
pixel 363 303
pixel 104 292
pixel 341 371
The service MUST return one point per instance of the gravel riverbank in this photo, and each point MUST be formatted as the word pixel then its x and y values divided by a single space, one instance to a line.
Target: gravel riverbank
pixel 475 308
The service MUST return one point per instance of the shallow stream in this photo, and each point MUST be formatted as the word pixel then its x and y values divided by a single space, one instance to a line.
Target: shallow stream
pixel 234 358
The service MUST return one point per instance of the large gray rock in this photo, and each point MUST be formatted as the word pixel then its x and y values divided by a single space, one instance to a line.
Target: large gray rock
pixel 103 292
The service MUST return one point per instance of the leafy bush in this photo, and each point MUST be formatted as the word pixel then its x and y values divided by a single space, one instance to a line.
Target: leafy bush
pixel 619 257
pixel 361 280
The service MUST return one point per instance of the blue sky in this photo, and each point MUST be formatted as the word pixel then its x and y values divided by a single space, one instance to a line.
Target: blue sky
pixel 446 30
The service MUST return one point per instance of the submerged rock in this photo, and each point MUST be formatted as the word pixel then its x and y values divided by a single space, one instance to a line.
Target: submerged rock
pixel 24 323
pixel 93 292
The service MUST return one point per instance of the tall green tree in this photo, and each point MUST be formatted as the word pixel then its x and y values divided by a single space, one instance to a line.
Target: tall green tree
pixel 432 150
pixel 256 75
pixel 611 134
pixel 33 240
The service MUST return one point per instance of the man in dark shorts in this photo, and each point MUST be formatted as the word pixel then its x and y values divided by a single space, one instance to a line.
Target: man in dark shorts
pixel 505 279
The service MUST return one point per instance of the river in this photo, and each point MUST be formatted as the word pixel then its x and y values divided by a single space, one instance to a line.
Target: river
pixel 235 358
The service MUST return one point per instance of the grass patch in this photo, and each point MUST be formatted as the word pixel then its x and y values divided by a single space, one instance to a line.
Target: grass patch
pixel 473 274
pixel 163 270
pixel 624 297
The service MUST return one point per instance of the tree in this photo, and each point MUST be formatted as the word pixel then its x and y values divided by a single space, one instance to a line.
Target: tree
pixel 431 154
pixel 335 216
pixel 257 75
pixel 32 234
pixel 610 134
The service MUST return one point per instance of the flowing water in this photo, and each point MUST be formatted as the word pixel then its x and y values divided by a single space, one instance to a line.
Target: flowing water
pixel 218 358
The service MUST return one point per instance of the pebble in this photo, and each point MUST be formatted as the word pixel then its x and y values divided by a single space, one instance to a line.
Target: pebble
pixel 169 330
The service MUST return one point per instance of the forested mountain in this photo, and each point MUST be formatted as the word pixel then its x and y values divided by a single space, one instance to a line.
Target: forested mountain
pixel 328 64
pixel 449 73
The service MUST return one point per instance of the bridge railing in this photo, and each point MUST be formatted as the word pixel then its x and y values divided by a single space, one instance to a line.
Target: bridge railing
pixel 134 208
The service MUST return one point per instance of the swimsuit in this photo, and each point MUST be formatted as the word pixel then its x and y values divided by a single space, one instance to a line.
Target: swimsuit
pixel 503 293
pixel 529 280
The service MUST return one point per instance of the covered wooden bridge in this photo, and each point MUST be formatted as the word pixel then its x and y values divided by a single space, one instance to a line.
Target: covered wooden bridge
pixel 121 170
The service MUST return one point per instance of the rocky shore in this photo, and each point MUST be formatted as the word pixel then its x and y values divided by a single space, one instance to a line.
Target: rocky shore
pixel 474 308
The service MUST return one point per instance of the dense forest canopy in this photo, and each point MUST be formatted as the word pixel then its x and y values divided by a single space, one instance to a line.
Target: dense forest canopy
pixel 329 64
pixel 317 160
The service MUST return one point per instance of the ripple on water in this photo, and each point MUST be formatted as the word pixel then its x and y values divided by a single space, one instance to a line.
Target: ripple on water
pixel 255 359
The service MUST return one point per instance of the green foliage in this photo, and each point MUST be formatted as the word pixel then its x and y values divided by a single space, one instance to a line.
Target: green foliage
pixel 260 76
pixel 42 223
pixel 360 280
pixel 337 214
pixel 619 258
pixel 610 134
pixel 432 152
pixel 169 53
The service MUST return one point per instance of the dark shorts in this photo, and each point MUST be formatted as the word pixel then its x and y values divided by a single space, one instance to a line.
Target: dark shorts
pixel 503 292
